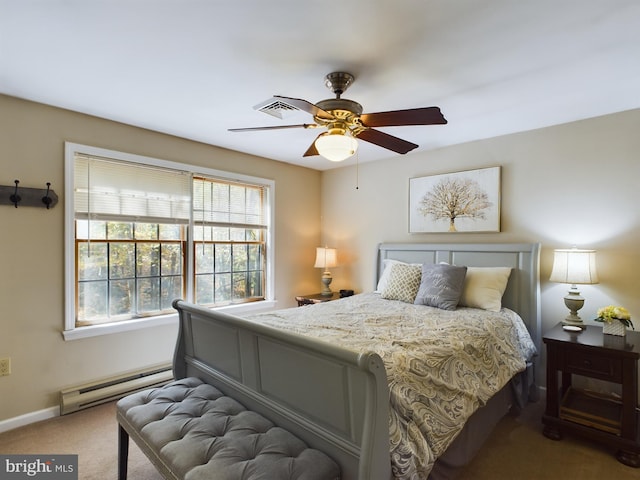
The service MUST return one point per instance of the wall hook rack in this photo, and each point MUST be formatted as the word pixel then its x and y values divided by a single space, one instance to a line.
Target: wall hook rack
pixel 15 198
pixel 47 197
pixel 28 197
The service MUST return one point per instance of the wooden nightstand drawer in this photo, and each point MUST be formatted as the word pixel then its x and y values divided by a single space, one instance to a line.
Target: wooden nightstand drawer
pixel 587 363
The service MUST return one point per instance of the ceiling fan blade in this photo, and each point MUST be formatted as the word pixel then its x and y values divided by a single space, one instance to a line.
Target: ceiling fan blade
pixel 312 150
pixel 273 127
pixel 386 141
pixel 304 106
pixel 396 118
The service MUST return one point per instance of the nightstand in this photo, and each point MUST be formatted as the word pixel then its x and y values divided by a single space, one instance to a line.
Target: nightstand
pixel 316 298
pixel 605 418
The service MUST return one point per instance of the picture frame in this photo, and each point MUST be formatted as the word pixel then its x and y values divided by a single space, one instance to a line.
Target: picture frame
pixel 466 201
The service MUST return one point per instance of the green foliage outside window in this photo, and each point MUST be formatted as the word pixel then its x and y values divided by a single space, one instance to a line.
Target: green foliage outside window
pixel 129 270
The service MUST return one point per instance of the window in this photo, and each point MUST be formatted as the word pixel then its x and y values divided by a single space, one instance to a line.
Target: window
pixel 229 233
pixel 127 270
pixel 142 232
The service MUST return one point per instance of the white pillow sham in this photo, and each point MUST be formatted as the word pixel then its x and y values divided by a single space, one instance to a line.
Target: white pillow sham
pixel 484 286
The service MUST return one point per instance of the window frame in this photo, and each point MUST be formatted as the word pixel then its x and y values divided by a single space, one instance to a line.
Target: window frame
pixel 71 331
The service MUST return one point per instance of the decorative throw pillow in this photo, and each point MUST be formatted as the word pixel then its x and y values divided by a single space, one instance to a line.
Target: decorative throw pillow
pixel 441 286
pixel 386 272
pixel 403 284
pixel 484 287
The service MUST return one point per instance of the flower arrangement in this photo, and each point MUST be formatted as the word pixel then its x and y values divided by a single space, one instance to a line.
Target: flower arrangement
pixel 610 313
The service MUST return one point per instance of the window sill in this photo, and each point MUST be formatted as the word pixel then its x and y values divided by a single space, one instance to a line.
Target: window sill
pixel 252 307
pixel 119 327
pixel 172 319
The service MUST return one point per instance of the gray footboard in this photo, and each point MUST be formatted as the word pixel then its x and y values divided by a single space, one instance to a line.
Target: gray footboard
pixel 335 400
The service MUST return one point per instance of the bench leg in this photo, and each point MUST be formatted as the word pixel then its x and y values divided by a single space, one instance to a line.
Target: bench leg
pixel 123 452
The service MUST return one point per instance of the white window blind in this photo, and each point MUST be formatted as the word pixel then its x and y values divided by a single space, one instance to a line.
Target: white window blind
pixel 223 203
pixel 107 189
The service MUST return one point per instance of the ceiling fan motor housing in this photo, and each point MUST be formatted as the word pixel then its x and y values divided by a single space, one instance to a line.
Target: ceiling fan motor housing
pixel 338 82
pixel 337 104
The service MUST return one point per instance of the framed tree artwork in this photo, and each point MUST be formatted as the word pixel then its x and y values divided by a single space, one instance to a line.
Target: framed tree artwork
pixel 466 201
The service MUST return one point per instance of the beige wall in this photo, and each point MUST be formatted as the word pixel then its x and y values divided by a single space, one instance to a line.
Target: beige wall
pixel 574 184
pixel 565 185
pixel 32 140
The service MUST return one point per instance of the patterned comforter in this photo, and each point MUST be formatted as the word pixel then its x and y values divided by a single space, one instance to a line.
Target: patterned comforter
pixel 441 365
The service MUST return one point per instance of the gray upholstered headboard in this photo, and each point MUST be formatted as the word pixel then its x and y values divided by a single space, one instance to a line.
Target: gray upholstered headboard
pixel 523 290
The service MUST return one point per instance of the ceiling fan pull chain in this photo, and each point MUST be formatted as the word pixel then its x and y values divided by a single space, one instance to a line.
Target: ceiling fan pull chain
pixel 357 170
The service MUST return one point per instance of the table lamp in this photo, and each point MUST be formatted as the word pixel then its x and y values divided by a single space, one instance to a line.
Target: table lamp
pixel 326 258
pixel 574 266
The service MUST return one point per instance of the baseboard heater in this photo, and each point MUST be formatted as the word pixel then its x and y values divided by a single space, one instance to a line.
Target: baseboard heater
pixel 94 393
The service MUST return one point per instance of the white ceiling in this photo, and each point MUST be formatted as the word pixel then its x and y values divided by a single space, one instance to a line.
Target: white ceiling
pixel 194 68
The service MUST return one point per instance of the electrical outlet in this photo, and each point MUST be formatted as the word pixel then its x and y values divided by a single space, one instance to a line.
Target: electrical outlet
pixel 5 366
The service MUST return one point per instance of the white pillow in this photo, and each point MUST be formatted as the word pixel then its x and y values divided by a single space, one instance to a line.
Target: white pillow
pixel 484 287
pixel 386 272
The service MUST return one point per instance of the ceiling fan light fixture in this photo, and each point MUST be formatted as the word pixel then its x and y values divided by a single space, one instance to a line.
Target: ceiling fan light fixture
pixel 336 146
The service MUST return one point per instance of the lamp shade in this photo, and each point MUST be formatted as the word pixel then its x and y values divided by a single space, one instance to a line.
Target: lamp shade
pixel 574 266
pixel 336 146
pixel 325 257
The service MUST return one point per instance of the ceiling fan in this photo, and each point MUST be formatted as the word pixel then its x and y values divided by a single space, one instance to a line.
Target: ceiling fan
pixel 345 121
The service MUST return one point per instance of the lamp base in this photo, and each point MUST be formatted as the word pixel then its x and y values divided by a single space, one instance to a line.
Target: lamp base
pixel 574 321
pixel 326 281
pixel 574 302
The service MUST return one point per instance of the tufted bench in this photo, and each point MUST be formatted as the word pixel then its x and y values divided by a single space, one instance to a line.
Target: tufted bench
pixel 191 431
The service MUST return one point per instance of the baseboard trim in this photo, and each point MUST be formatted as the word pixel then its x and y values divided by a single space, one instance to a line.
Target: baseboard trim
pixel 28 418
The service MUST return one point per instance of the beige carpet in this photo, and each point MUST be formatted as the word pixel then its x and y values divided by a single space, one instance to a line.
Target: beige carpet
pixel 92 434
pixel 516 450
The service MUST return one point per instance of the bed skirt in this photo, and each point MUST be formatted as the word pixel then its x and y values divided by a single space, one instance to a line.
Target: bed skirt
pixel 512 398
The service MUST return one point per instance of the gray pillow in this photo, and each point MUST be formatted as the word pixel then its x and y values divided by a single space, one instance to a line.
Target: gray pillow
pixel 441 286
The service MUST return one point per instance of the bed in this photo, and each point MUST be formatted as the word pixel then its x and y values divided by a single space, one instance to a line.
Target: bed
pixel 522 295
pixel 362 389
